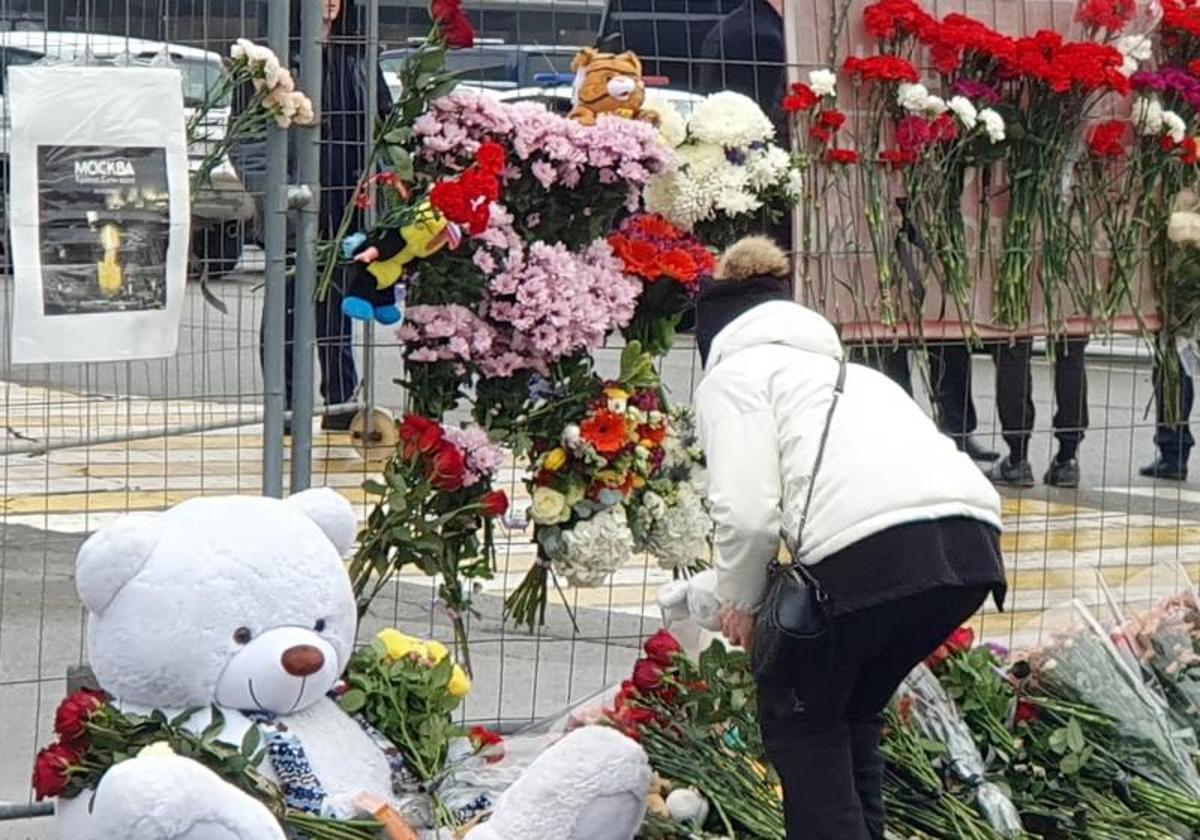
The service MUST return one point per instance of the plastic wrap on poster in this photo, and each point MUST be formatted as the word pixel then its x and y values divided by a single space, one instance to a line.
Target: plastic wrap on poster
pixel 935 714
pixel 99 212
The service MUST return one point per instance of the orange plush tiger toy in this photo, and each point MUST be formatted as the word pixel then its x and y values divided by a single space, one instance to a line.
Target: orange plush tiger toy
pixel 608 84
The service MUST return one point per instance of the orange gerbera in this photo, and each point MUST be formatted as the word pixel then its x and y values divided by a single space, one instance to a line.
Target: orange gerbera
pixel 657 227
pixel 639 257
pixel 606 431
pixel 678 265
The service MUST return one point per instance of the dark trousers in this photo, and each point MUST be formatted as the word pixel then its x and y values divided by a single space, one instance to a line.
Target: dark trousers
pixel 950 381
pixel 821 727
pixel 335 346
pixel 1014 395
pixel 1174 440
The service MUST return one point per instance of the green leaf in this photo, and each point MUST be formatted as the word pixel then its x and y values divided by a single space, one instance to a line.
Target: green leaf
pixel 374 488
pixel 353 701
pixel 251 741
pixel 401 161
pixel 1075 739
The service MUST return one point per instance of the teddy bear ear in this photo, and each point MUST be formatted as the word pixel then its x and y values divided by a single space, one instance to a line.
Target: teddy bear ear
pixel 583 58
pixel 332 513
pixel 112 557
pixel 632 58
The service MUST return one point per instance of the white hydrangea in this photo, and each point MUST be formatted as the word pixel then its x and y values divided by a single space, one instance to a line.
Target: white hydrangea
pixel 678 538
pixel 823 82
pixel 671 124
pixel 993 124
pixel 730 120
pixel 964 110
pixel 1148 116
pixel 1174 126
pixel 595 548
pixel 767 167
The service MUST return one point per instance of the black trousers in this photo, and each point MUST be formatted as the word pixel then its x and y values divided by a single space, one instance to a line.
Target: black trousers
pixel 822 726
pixel 1174 440
pixel 1014 394
pixel 950 381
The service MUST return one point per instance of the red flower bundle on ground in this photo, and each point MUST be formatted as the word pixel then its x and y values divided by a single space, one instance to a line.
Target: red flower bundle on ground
pixel 70 721
pixel 51 770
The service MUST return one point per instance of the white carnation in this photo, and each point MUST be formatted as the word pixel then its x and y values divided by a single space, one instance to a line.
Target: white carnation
pixel 912 97
pixel 1174 126
pixel 671 124
pixel 678 539
pixel 1148 116
pixel 596 547
pixel 965 111
pixel 1136 47
pixel 1183 227
pixel 993 124
pixel 730 120
pixel 823 82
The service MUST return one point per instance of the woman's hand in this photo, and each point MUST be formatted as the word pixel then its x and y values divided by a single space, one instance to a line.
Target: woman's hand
pixel 738 627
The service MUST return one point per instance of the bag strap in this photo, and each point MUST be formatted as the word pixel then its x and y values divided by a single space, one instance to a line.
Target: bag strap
pixel 838 389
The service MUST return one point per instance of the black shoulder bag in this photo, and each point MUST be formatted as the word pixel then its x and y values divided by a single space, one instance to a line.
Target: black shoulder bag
pixel 796 608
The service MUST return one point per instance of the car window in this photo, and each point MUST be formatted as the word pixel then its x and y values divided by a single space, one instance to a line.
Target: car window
pixel 544 61
pixel 200 76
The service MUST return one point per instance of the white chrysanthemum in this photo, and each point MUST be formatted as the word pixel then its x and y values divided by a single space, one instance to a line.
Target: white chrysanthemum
pixel 823 82
pixel 679 537
pixel 965 111
pixel 671 124
pixel 1148 116
pixel 767 167
pixel 730 120
pixel 1183 227
pixel 1174 126
pixel 993 124
pixel 596 547
pixel 912 97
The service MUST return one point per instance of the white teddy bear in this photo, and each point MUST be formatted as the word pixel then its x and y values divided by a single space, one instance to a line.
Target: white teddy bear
pixel 244 602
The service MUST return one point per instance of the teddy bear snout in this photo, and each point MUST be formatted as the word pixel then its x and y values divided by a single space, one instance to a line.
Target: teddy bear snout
pixel 302 660
pixel 621 87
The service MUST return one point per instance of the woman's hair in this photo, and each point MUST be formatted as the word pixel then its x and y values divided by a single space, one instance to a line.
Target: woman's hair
pixel 344 26
pixel 754 256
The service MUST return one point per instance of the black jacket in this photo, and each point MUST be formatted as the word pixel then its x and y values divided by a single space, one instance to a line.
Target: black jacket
pixel 745 53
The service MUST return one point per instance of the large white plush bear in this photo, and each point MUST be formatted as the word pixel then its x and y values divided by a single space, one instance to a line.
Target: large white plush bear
pixel 243 602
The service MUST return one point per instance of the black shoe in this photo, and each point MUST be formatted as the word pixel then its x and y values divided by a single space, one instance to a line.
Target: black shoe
pixel 337 422
pixel 1008 474
pixel 1063 474
pixel 1164 469
pixel 976 450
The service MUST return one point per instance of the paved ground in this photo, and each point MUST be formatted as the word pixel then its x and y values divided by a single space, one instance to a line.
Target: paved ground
pixel 1133 530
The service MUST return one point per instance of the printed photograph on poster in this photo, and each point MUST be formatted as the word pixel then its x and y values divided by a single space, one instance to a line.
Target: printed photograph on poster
pixel 105 221
pixel 99 212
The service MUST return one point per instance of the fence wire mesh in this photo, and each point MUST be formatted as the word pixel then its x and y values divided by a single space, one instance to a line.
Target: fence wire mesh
pixel 83 444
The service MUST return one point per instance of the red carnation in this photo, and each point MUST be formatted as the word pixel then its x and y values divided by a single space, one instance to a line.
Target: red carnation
pixel 494 503
pixel 447 468
pixel 1190 150
pixel 820 133
pixel 647 675
pixel 662 647
pixel 490 157
pixel 898 158
pixel 51 770
pixel 70 721
pixel 449 198
pixel 1194 67
pixel 802 98
pixel 420 435
pixel 833 120
pixel 843 157
pixel 1111 15
pixel 882 68
pixel 913 134
pixel 943 129
pixel 946 57
pixel 1107 139
pixel 631 719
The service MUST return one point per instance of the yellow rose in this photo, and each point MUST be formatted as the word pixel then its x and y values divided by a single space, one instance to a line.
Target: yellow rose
pixel 555 459
pixel 157 748
pixel 398 645
pixel 437 650
pixel 460 684
pixel 549 507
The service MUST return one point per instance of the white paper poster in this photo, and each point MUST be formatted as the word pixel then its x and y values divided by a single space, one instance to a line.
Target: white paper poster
pixel 98 212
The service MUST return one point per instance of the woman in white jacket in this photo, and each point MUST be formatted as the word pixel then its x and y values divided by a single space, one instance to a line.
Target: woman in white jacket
pixel 902 531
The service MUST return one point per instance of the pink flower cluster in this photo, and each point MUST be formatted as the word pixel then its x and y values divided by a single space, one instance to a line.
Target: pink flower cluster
pixel 443 333
pixel 484 458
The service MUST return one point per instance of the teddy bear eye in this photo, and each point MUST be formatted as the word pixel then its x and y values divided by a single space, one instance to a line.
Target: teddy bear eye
pixel 242 635
pixel 320 625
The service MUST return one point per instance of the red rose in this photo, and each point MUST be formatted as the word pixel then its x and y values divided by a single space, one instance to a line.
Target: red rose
pixel 647 675
pixel 420 435
pixel 1026 712
pixel 490 157
pixel 631 720
pixel 833 120
pixel 490 743
pixel 447 468
pixel 494 503
pixel 70 721
pixel 50 770
pixel 662 647
pixel 452 20
pixel 627 693
pixel 961 640
pixel 449 198
pixel 1107 139
pixel 802 98
pixel 841 156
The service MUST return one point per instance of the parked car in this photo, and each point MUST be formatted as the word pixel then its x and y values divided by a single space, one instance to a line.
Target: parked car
pixel 217 212
pixel 555 91
pixel 491 64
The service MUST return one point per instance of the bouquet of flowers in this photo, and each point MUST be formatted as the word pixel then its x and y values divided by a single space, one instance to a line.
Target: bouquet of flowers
pixel 94 735
pixel 671 265
pixel 729 175
pixel 435 510
pixel 1167 640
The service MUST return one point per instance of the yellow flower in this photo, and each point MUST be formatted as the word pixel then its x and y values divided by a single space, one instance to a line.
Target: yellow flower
pixel 157 748
pixel 555 459
pixel 610 477
pixel 437 650
pixel 460 684
pixel 549 507
pixel 639 482
pixel 398 645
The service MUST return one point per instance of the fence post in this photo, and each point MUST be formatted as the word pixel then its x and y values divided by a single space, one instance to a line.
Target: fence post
pixel 312 36
pixel 275 248
pixel 371 115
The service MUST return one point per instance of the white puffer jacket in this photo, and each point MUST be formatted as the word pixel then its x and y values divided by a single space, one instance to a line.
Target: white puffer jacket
pixel 761 409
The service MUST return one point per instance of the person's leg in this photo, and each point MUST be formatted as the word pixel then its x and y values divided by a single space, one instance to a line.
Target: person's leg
pixel 335 354
pixel 868 773
pixel 1173 438
pixel 892 362
pixel 950 379
pixel 1014 404
pixel 1071 410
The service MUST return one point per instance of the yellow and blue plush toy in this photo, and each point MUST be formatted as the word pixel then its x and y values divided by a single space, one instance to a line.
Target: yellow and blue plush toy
pixel 378 264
